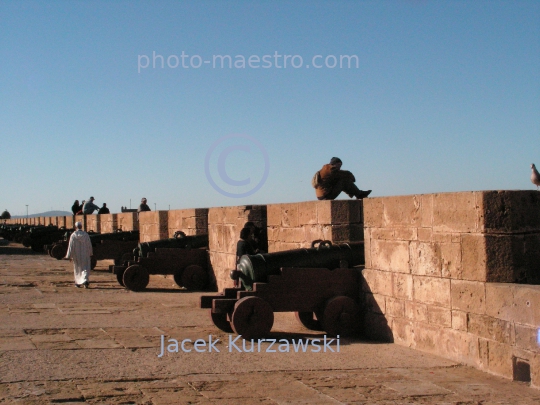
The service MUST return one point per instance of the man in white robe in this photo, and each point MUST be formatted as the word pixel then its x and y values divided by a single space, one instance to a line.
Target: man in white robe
pixel 80 250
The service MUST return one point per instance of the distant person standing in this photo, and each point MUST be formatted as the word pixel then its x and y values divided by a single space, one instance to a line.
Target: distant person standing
pixel 76 207
pixel 79 251
pixel 104 210
pixel 143 207
pixel 89 207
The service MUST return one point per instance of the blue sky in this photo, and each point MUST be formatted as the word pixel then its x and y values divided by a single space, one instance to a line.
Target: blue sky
pixel 446 97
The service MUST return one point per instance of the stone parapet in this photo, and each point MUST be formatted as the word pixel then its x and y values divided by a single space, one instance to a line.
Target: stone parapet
pixel 190 221
pixel 437 276
pixel 108 223
pixel 153 225
pixel 93 223
pixel 127 221
pixel 296 225
pixel 224 226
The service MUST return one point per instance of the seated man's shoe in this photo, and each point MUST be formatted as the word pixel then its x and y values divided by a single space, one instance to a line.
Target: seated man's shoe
pixel 363 194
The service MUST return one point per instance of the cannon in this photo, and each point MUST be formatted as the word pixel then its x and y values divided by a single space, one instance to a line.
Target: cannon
pixel 115 245
pixel 184 257
pixel 319 284
pixel 39 236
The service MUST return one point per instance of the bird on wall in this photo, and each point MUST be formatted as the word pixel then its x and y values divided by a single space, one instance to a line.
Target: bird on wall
pixel 535 176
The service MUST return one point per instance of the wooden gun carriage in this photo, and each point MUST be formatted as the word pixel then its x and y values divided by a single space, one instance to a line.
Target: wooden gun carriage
pixel 184 257
pixel 318 284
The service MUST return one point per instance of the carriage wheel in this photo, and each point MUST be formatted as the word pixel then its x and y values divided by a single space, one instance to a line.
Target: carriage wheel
pixel 310 320
pixel 252 317
pixel 120 279
pixel 58 251
pixel 93 262
pixel 341 316
pixel 136 278
pixel 194 277
pixel 221 321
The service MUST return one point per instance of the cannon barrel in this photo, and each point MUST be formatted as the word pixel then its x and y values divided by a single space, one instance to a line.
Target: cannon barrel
pixel 257 268
pixel 179 241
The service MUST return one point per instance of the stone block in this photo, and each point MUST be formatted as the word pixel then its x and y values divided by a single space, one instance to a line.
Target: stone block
pixel 500 359
pixel 377 282
pixel 514 302
pixel 439 316
pixel 346 211
pixel 401 211
pixel 490 328
pixel 459 346
pixel 428 338
pixel 416 311
pixel 459 320
pixel 324 212
pixel 457 212
pixel 382 233
pixel 511 211
pixel 424 234
pixel 468 296
pixel 451 260
pixel 347 233
pixel 403 332
pixel 405 234
pixel 395 307
pixel 289 215
pixel 367 248
pixel 527 338
pixel 441 237
pixel 426 210
pixel 307 213
pixel 432 290
pixel 505 257
pixel 473 257
pixel 425 259
pixel 402 286
pixel 373 212
pixel 390 255
pixel 296 235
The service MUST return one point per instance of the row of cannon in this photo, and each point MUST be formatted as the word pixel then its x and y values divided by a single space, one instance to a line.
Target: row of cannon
pixel 320 284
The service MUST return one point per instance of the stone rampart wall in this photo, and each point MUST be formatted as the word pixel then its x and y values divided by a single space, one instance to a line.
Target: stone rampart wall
pixel 153 225
pixel 190 221
pixel 434 268
pixel 296 225
pixel 127 221
pixel 108 223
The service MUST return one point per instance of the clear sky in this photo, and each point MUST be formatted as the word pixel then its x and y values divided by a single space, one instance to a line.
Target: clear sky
pixel 127 99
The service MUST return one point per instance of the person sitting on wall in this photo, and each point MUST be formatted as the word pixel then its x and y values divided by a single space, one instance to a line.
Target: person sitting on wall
pixel 104 210
pixel 89 207
pixel 143 207
pixel 80 212
pixel 330 181
pixel 75 208
pixel 244 247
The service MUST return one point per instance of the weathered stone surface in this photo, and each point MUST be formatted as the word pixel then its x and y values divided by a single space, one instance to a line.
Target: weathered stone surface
pixel 432 290
pixel 373 210
pixel 402 286
pixel 527 337
pixel 377 282
pixel 402 211
pixel 514 302
pixel 395 307
pixel 425 259
pixel 457 212
pixel 439 316
pixel 390 255
pixel 468 296
pixel 451 260
pixel 500 359
pixel 375 303
pixel 459 320
pixel 473 257
pixel 416 311
pixel 346 211
pixel 127 221
pixel 490 328
pixel 511 211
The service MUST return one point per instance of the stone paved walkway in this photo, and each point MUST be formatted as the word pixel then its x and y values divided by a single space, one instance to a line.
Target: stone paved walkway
pixel 60 344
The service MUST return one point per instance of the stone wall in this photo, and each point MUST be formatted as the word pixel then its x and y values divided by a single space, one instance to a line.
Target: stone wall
pixel 127 221
pixel 296 225
pixel 108 223
pixel 93 223
pixel 434 264
pixel 224 226
pixel 153 225
pixel 190 221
